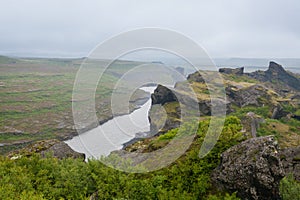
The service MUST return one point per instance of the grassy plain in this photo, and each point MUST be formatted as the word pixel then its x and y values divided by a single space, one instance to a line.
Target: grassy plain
pixel 36 98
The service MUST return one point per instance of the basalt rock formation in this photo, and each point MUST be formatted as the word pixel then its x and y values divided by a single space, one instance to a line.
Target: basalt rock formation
pixel 275 89
pixel 256 95
pixel 165 110
pixel 290 158
pixel 162 95
pixel 252 168
pixel 167 104
pixel 278 76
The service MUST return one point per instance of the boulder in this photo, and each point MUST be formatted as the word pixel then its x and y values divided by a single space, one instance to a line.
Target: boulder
pixel 252 168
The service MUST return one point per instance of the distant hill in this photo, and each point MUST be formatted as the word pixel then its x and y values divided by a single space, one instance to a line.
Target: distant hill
pixel 7 60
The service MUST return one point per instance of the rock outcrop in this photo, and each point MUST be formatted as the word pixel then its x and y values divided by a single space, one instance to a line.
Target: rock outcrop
pixel 252 168
pixel 236 71
pixel 275 83
pixel 256 95
pixel 61 150
pixel 280 79
pixel 162 95
pixel 290 158
pixel 196 77
pixel 278 112
pixel 165 111
pixel 276 77
pixel 53 147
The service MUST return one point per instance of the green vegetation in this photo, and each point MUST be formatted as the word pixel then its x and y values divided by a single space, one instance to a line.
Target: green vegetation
pixel 263 111
pixel 36 98
pixel 168 136
pixel 7 60
pixel 238 78
pixel 289 188
pixel 187 178
pixel 36 104
pixel 285 130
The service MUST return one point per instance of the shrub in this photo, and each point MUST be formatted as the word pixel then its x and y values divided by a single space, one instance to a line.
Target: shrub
pixel 289 188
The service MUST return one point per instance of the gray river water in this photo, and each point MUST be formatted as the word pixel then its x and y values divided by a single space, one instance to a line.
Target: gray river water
pixel 111 136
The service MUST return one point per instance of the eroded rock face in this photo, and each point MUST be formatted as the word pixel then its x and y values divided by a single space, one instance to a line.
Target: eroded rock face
pixel 160 119
pixel 166 111
pixel 252 168
pixel 162 95
pixel 256 95
pixel 279 78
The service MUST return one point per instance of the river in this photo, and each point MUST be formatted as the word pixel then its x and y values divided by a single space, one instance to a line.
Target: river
pixel 111 135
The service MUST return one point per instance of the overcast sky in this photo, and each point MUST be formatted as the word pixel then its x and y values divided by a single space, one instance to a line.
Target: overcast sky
pixel 225 28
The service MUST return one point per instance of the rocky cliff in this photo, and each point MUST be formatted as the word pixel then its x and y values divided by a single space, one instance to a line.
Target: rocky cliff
pixel 277 77
pixel 255 167
pixel 272 89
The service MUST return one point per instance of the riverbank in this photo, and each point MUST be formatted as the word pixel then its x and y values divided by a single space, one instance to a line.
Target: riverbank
pixel 114 133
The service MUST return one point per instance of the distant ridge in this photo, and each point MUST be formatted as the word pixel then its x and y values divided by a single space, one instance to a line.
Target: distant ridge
pixel 7 60
pixel 278 76
pixel 256 62
pixel 275 75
